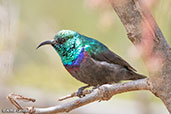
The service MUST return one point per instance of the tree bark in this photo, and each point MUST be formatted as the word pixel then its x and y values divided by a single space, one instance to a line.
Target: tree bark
pixel 145 34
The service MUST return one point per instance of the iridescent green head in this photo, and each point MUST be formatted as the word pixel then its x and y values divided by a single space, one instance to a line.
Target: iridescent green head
pixel 67 44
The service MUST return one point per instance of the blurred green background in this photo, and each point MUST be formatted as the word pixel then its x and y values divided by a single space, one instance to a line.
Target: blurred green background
pixel 25 70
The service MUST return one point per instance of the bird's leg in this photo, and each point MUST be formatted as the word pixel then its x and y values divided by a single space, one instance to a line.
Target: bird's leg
pixel 97 86
pixel 80 90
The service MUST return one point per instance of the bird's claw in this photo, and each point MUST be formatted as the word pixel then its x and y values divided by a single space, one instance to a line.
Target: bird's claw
pixel 80 91
pixel 97 86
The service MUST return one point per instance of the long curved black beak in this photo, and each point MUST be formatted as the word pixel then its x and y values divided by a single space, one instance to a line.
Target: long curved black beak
pixel 51 42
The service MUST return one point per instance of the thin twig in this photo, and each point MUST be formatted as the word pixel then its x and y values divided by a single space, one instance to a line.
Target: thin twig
pixel 13 101
pixel 74 94
pixel 20 97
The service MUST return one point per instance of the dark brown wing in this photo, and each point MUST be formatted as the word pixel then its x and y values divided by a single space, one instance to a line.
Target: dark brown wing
pixel 111 57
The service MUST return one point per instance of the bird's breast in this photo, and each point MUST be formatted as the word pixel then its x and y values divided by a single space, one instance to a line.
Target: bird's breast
pixel 74 66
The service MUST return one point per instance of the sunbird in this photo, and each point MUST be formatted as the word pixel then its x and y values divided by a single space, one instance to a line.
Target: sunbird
pixel 90 61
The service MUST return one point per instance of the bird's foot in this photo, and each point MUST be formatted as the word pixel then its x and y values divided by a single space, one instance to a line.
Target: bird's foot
pixel 97 86
pixel 80 91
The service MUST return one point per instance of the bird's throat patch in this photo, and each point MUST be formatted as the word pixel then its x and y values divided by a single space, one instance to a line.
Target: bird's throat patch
pixel 80 59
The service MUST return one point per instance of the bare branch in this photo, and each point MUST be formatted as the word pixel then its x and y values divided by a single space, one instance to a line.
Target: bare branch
pixel 104 92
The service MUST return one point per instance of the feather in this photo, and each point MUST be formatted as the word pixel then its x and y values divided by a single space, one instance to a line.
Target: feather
pixel 112 58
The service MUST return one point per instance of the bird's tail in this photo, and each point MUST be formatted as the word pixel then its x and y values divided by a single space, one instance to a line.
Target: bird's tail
pixel 136 76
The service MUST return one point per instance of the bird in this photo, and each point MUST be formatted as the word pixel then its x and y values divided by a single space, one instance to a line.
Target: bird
pixel 90 61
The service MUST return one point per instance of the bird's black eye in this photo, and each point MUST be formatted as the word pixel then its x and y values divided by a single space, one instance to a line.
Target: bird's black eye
pixel 61 41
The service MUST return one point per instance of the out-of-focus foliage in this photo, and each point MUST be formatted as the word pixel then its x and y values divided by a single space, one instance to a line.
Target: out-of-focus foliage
pixel 41 20
pixel 26 23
